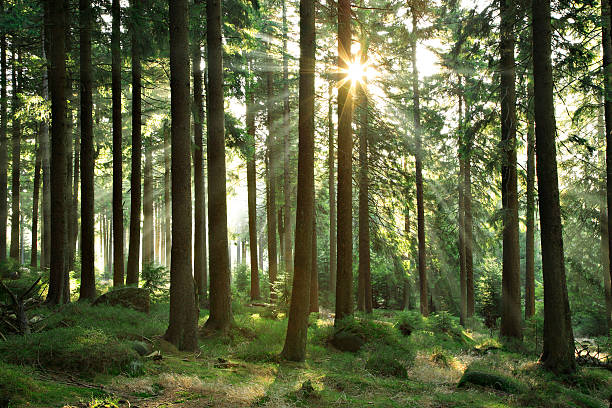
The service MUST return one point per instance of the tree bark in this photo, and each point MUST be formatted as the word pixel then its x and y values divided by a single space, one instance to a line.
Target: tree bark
pixel 133 263
pixel 147 207
pixel 558 349
pixel 603 225
pixel 118 244
pixel 88 279
pixel 332 193
pixel 199 248
pixel 461 215
pixel 45 148
pixel 468 227
pixel 423 288
pixel 55 12
pixel 16 160
pixel 3 145
pixel 167 196
pixel 35 200
pixel 314 268
pixel 182 327
pixel 220 294
pixel 606 15
pixel 530 216
pixel 271 186
pixel 286 237
pixel 297 328
pixel 252 191
pixel 344 279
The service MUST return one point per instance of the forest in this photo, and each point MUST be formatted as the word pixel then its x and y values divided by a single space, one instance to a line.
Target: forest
pixel 288 203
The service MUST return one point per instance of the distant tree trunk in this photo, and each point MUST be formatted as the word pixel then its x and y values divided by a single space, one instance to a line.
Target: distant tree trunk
pixel 182 327
pixel 603 226
pixel 199 248
pixel 468 227
pixel 35 199
pixel 297 328
pixel 220 294
pixel 88 279
pixel 406 286
pixel 167 203
pixel 419 175
pixel 55 12
pixel 558 350
pixel 314 269
pixel 45 148
pixel 16 165
pixel 461 216
pixel 511 277
pixel 118 244
pixel 271 186
pixel 147 207
pixel 332 192
pixel 364 211
pixel 3 145
pixel 252 191
pixel 344 280
pixel 286 237
pixel 530 216
pixel 74 218
pixel 135 178
pixel 607 107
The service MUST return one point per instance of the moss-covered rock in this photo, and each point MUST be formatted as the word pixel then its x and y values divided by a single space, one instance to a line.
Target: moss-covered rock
pixel 131 297
pixel 346 340
pixel 490 380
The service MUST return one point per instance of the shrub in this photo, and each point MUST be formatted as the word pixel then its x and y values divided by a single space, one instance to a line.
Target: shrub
pixel 155 279
pixel 409 321
pixel 387 362
pixel 490 380
pixel 441 357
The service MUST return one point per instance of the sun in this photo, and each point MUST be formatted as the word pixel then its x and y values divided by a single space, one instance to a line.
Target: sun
pixel 356 72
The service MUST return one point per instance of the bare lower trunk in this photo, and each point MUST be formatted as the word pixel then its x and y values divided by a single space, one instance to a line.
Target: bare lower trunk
pixel 331 166
pixel 35 199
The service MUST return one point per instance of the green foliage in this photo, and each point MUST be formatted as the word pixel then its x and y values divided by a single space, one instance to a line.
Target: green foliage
pixel 242 279
pixel 155 279
pixel 388 362
pixel 488 379
pixel 409 322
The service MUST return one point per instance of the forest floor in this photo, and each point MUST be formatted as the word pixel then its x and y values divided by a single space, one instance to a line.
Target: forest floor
pixel 89 357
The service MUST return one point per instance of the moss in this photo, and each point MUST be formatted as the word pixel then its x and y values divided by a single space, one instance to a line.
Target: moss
pixel 490 380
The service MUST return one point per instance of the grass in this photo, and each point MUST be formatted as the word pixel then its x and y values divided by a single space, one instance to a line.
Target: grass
pixel 93 346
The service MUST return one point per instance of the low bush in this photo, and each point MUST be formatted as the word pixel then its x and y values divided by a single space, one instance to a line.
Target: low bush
pixel 388 362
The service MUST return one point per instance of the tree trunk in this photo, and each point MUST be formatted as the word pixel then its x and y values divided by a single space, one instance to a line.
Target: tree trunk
pixel 344 280
pixel 182 327
pixel 606 15
pixel 297 328
pixel 271 186
pixel 314 269
pixel 35 199
pixel 332 192
pixel 199 247
pixel 286 237
pixel 45 148
pixel 252 191
pixel 419 176
pixel 16 165
pixel 558 350
pixel 468 228
pixel 167 203
pixel 147 207
pixel 220 294
pixel 135 178
pixel 511 274
pixel 603 225
pixel 364 211
pixel 118 243
pixel 55 12
pixel 88 279
pixel 3 146
pixel 461 215
pixel 530 216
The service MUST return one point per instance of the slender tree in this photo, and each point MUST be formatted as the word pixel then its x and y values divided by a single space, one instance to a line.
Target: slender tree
pixel 45 150
pixel 3 145
pixel 297 328
pixel 511 289
pixel 530 216
pixel 16 156
pixel 147 205
pixel 314 267
pixel 603 224
pixel 219 264
pixel 167 203
pixel 344 279
pixel 118 243
pixel 182 327
pixel 135 178
pixel 331 166
pixel 461 215
pixel 558 349
pixel 286 237
pixel 252 191
pixel 271 182
pixel 35 200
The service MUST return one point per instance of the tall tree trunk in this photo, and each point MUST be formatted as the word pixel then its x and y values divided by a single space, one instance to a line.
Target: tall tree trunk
pixel 419 175
pixel 45 148
pixel 271 185
pixel 331 167
pixel 364 211
pixel 88 279
pixel 558 350
pixel 606 15
pixel 147 207
pixel 220 295
pixel 167 203
pixel 199 256
pixel 603 226
pixel 3 145
pixel 461 215
pixel 182 328
pixel 252 190
pixel 297 328
pixel 530 216
pixel 55 12
pixel 314 269
pixel 118 244
pixel 286 237
pixel 511 274
pixel 16 156
pixel 468 228
pixel 35 200
pixel 75 199
pixel 135 178
pixel 344 280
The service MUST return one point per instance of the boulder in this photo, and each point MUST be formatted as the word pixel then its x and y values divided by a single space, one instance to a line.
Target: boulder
pixel 133 298
pixel 490 380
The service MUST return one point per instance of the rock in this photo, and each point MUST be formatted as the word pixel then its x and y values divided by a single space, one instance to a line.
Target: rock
pixel 167 347
pixel 133 298
pixel 490 380
pixel 141 348
pixel 345 340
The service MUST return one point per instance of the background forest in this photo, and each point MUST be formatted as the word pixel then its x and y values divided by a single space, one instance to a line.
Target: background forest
pixel 288 162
